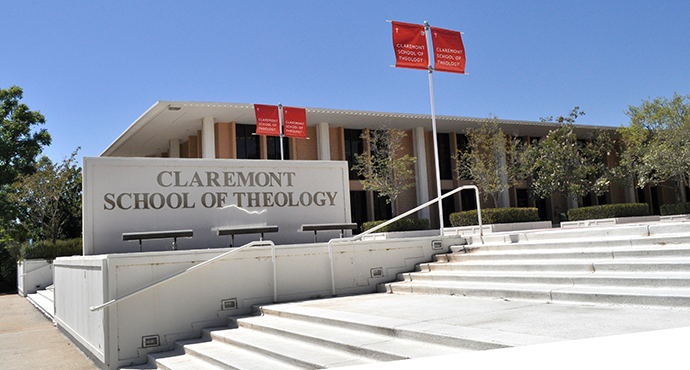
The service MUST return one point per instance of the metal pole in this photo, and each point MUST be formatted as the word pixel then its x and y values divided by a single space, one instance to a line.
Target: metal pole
pixel 280 115
pixel 433 128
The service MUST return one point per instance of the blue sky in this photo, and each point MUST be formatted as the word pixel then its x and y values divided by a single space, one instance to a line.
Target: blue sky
pixel 93 67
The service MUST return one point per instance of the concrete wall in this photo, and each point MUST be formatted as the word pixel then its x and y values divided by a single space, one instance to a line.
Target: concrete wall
pixel 135 195
pixel 182 307
pixel 33 275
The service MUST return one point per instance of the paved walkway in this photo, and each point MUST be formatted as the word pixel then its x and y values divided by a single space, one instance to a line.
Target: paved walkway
pixel 28 340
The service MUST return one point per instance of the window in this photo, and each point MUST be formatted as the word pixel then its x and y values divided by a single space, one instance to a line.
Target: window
pixel 522 197
pixel 273 147
pixel 444 156
pixel 382 209
pixel 448 204
pixel 468 199
pixel 247 142
pixel 353 145
pixel 358 207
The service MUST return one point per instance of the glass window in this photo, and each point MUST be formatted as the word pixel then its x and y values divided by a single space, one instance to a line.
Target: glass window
pixel 448 204
pixel 468 199
pixel 382 209
pixel 444 156
pixel 358 207
pixel 247 142
pixel 273 147
pixel 353 145
pixel 522 196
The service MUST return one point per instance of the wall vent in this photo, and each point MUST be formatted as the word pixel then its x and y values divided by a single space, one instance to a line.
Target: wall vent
pixel 150 341
pixel 228 304
pixel 436 244
pixel 377 272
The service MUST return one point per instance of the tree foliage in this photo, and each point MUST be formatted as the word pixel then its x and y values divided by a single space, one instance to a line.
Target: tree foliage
pixel 20 144
pixel 656 144
pixel 561 163
pixel 385 171
pixel 493 160
pixel 48 199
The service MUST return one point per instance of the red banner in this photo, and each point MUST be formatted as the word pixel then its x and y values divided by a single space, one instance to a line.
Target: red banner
pixel 409 43
pixel 267 120
pixel 449 52
pixel 295 122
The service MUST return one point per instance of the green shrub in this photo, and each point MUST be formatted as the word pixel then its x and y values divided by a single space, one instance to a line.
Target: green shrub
pixel 406 224
pixel 675 209
pixel 45 249
pixel 495 216
pixel 608 211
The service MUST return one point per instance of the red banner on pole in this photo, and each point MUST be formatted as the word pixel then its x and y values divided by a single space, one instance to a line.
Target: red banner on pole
pixel 449 52
pixel 295 122
pixel 409 43
pixel 267 120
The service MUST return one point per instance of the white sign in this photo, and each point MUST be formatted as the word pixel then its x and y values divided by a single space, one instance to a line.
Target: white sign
pixel 140 195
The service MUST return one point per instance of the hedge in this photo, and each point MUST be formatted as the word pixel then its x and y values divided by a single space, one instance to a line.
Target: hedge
pixel 495 216
pixel 608 211
pixel 45 249
pixel 675 209
pixel 406 224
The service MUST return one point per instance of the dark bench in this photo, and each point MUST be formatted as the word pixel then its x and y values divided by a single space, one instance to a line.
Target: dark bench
pixel 327 227
pixel 246 230
pixel 158 235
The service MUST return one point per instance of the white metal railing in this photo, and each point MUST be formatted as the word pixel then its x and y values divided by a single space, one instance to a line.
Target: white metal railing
pixel 195 267
pixel 438 199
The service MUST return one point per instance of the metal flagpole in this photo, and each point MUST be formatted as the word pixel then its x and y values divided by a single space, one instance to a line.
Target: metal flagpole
pixel 433 127
pixel 280 123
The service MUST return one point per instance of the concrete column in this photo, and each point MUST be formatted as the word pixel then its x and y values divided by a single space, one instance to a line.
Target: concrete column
pixel 174 148
pixel 422 182
pixel 323 141
pixel 504 197
pixel 208 142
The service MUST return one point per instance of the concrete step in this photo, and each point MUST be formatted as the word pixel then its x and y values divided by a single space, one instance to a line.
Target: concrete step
pixel 580 243
pixel 571 265
pixel 375 346
pixel 606 232
pixel 468 339
pixel 293 352
pixel 667 297
pixel 642 280
pixel 49 294
pixel 571 253
pixel 44 302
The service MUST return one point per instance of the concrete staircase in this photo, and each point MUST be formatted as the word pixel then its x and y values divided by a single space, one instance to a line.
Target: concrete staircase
pixel 646 265
pixel 285 336
pixel 636 265
pixel 44 300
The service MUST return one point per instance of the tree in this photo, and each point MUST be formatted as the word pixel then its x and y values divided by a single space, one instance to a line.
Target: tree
pixel 492 159
pixel 561 163
pixel 383 169
pixel 48 198
pixel 20 144
pixel 659 142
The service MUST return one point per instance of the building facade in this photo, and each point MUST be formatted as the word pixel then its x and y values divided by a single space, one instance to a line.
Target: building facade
pixel 178 129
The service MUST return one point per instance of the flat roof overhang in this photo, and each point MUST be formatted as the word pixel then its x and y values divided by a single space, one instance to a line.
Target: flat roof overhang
pixel 150 134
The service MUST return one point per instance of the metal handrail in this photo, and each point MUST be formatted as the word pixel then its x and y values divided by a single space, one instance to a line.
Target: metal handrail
pixel 435 200
pixel 205 263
